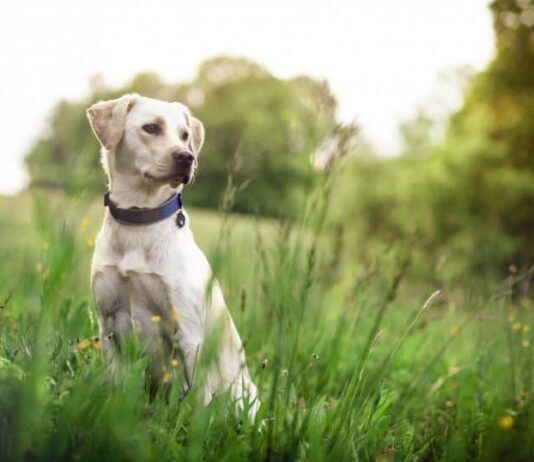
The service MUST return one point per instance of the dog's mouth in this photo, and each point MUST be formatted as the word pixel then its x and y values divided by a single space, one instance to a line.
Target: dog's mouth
pixel 175 179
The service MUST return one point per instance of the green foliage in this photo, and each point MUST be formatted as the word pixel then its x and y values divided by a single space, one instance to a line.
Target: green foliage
pixel 487 158
pixel 262 129
pixel 468 201
pixel 357 367
pixel 66 156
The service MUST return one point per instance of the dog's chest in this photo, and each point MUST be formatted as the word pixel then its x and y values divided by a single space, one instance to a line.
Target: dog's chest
pixel 159 269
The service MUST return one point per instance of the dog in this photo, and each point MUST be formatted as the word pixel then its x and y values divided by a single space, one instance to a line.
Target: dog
pixel 148 275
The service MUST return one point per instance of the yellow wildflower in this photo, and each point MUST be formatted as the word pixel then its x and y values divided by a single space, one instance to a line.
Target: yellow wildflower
pixel 526 327
pixel 384 458
pixel 83 344
pixel 155 319
pixel 516 326
pixel 167 377
pixel 506 422
pixel 90 241
pixel 525 343
pixel 84 224
pixel 97 344
pixel 454 370
pixel 175 363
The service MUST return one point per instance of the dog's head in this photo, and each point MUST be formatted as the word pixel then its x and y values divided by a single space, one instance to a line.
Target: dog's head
pixel 155 141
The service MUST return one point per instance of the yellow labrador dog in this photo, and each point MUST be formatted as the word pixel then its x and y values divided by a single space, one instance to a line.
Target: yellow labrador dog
pixel 148 274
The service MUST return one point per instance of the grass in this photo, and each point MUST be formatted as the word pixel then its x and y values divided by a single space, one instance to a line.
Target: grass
pixel 353 362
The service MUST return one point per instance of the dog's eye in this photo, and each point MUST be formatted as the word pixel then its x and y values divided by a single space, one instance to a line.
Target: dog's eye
pixel 153 129
pixel 184 136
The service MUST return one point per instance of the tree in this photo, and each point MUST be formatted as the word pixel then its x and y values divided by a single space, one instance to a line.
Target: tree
pixel 469 199
pixel 487 197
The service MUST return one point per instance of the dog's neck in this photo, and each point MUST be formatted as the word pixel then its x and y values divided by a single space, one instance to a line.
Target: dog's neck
pixel 128 190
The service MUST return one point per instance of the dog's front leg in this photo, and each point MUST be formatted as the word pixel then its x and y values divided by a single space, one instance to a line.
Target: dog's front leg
pixel 187 343
pixel 113 309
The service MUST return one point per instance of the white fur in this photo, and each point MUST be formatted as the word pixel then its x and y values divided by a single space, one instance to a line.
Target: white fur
pixel 142 271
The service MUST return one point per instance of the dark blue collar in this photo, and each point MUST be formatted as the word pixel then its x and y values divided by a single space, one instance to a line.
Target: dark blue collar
pixel 136 216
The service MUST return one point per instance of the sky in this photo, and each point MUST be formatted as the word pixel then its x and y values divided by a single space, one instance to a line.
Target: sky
pixel 383 59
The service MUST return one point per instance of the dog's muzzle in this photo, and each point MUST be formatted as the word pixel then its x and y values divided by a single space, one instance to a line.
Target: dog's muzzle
pixel 183 165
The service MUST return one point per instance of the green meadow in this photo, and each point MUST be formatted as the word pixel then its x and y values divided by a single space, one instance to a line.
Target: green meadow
pixel 353 360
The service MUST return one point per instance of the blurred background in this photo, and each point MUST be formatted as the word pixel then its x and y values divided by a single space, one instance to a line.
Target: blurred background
pixel 425 108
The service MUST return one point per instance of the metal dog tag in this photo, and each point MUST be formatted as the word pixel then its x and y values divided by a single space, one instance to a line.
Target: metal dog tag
pixel 180 219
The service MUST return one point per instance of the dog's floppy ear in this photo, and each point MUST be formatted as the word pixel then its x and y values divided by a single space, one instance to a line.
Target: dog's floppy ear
pixel 107 119
pixel 197 134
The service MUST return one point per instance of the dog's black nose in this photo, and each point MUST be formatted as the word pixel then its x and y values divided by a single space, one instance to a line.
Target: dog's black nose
pixel 184 158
